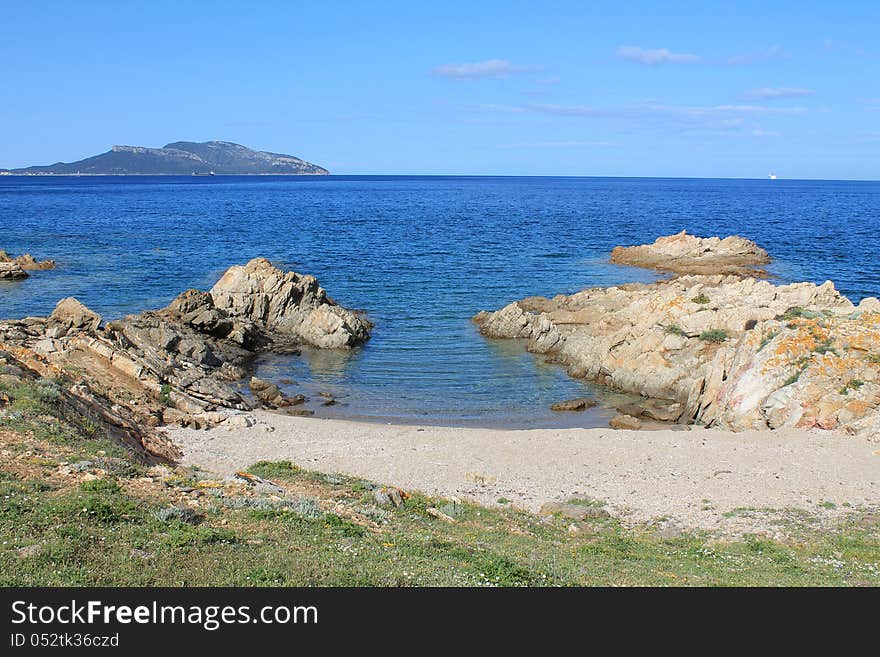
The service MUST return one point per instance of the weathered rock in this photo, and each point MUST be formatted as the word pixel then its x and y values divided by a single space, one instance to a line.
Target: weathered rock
pixel 725 351
pixel 625 422
pixel 579 404
pixel 288 304
pixel 71 315
pixel 12 271
pixel 268 393
pixel 688 254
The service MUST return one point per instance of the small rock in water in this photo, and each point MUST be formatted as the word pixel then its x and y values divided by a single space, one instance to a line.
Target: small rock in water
pixel 579 404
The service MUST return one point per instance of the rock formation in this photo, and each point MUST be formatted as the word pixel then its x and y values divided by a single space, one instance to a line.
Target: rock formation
pixel 181 364
pixel 724 351
pixel 11 271
pixel 18 268
pixel 687 254
pixel 288 304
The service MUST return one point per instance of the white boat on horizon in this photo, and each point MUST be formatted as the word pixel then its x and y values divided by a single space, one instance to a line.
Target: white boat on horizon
pixel 772 176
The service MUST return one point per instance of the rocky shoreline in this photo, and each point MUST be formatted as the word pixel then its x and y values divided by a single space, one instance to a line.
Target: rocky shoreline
pixel 183 364
pixel 720 350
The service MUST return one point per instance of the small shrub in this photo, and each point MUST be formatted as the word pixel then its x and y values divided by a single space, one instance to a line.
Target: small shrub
pixel 874 359
pixel 714 335
pixel 701 299
pixel 99 486
pixel 797 312
pixel 852 384
pixel 674 329
pixel 793 378
pixel 182 535
pixel 179 514
pixel 264 507
pixel 825 347
pixel 451 509
pixel 165 395
pixel 343 525
pixel 767 339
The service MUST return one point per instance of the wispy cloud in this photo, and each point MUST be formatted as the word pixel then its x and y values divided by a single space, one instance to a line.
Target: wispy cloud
pixel 765 54
pixel 652 56
pixel 776 93
pixel 758 132
pixel 491 68
pixel 832 45
pixel 723 112
pixel 554 144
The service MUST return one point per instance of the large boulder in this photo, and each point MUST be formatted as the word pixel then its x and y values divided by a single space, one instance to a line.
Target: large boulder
pixel 71 315
pixel 688 254
pixel 288 304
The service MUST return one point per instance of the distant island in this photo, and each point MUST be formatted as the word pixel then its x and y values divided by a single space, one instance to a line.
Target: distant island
pixel 179 158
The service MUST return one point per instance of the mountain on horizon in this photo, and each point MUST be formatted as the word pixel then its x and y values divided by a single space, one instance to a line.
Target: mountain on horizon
pixel 181 158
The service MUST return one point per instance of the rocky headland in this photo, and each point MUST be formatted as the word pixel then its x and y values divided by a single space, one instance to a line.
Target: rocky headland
pixel 719 349
pixel 183 364
pixel 17 268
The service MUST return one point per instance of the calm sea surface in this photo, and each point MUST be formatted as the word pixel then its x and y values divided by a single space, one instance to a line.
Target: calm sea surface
pixel 421 255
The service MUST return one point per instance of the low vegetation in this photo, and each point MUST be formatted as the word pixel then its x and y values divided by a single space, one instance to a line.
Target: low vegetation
pixel 78 510
pixel 714 335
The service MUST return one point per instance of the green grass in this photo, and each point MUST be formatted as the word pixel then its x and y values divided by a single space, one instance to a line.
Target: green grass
pixel 714 335
pixel 701 299
pixel 673 329
pixel 274 469
pixel 108 531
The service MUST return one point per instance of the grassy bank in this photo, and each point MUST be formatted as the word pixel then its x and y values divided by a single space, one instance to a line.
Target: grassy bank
pixel 78 510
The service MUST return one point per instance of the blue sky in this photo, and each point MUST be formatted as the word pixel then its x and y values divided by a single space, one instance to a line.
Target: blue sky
pixel 553 88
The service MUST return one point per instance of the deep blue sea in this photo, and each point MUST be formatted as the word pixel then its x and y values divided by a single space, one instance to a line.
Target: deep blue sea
pixel 421 255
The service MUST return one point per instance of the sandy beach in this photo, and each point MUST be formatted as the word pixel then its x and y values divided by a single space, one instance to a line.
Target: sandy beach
pixel 693 478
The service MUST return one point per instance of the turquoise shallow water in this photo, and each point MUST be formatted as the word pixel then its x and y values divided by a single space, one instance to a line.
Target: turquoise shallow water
pixel 421 255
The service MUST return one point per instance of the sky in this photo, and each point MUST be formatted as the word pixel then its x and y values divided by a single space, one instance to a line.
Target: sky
pixel 691 89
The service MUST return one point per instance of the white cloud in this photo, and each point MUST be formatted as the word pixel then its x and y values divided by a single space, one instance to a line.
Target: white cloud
pixel 653 56
pixel 491 68
pixel 775 93
pixel 758 132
